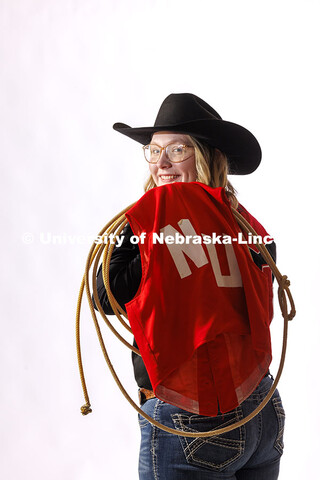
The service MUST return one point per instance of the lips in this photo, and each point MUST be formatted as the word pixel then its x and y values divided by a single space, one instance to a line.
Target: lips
pixel 168 178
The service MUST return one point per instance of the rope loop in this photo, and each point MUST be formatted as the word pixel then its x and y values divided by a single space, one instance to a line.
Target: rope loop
pixel 117 224
pixel 283 293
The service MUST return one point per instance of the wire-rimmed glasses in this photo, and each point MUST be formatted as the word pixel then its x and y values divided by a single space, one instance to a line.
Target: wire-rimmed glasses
pixel 175 152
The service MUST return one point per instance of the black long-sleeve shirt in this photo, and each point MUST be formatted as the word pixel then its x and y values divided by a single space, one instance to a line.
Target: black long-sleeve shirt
pixel 125 277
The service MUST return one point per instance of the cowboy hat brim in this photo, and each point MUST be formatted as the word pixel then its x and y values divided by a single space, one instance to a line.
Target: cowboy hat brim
pixel 240 146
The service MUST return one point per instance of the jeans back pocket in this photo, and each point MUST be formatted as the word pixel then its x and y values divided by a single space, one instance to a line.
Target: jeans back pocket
pixel 215 452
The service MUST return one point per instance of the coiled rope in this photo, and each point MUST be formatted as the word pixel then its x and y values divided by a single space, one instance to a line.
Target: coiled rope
pixel 112 228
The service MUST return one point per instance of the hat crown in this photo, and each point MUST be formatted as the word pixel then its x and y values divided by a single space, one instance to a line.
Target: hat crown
pixel 180 108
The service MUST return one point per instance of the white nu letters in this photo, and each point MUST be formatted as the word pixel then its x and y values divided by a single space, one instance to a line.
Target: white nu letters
pixel 195 252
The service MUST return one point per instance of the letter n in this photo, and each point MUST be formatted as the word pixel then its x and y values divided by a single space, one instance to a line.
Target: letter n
pixel 194 251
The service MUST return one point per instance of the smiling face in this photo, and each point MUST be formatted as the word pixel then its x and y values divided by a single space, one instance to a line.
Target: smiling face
pixel 164 171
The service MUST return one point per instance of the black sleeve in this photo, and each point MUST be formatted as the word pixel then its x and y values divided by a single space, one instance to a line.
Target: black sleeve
pixel 125 277
pixel 124 273
pixel 259 260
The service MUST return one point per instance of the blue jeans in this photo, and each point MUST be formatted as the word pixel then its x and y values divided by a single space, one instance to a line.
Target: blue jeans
pixel 251 452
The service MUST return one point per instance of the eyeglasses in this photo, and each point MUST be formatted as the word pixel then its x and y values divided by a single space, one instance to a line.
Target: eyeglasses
pixel 175 152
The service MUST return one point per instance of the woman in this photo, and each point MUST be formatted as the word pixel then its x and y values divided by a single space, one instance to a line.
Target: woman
pixel 191 143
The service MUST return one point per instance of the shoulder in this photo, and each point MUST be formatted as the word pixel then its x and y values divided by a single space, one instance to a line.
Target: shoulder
pixel 260 229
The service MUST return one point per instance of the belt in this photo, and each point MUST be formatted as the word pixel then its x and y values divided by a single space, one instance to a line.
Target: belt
pixel 145 394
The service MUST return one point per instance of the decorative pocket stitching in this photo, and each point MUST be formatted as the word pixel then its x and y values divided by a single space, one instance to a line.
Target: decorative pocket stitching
pixel 230 446
pixel 278 445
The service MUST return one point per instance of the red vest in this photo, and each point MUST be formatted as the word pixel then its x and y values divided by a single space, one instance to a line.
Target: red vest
pixel 202 312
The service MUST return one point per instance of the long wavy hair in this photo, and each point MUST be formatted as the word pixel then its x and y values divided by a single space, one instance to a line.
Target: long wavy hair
pixel 211 167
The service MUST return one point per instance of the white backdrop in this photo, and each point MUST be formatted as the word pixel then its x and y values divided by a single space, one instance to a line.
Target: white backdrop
pixel 69 70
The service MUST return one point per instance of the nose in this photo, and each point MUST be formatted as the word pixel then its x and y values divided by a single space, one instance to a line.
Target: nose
pixel 163 161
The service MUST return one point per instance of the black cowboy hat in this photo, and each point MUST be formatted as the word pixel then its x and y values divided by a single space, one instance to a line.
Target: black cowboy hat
pixel 188 114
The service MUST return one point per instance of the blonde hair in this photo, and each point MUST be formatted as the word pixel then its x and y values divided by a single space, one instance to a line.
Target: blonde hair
pixel 211 167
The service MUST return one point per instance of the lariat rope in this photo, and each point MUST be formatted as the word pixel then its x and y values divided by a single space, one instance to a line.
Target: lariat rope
pixel 111 229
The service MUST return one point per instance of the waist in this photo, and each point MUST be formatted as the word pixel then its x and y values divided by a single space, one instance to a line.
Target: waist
pixel 146 394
